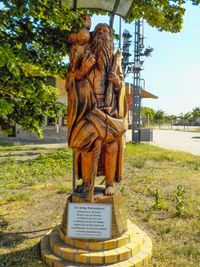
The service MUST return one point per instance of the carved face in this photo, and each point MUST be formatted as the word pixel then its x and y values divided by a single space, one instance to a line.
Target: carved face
pixel 103 30
pixel 102 46
pixel 87 21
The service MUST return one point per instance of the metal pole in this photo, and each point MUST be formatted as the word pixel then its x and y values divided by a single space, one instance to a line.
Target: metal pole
pixel 120 32
pixel 116 5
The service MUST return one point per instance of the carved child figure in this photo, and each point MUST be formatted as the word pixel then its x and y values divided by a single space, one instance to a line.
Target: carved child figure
pixel 80 46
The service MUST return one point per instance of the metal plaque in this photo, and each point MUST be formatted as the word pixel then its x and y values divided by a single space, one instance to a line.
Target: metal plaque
pixel 90 221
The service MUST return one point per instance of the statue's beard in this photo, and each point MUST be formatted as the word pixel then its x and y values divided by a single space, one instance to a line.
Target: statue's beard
pixel 102 47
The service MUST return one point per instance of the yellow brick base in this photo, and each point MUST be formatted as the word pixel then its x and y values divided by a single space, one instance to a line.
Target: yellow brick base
pixel 132 249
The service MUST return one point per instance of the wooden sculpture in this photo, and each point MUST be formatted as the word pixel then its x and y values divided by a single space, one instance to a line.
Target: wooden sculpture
pixel 96 107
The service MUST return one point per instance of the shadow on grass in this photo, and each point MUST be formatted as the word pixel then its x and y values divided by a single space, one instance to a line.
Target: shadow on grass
pixel 10 240
pixel 23 258
pixel 12 256
pixel 3 223
pixel 4 143
pixel 26 149
pixel 20 154
pixel 14 141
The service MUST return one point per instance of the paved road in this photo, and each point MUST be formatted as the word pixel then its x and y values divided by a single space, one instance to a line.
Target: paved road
pixel 184 141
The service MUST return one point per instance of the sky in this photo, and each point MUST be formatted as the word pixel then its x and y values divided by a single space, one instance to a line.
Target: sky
pixel 173 71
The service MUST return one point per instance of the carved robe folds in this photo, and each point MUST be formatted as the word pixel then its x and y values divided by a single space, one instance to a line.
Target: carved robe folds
pixel 95 132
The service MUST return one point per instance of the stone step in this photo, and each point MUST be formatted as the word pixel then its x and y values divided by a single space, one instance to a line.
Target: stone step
pixel 127 237
pixel 142 258
pixel 94 257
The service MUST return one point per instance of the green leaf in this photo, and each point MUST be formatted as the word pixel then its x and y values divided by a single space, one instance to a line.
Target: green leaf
pixel 5 107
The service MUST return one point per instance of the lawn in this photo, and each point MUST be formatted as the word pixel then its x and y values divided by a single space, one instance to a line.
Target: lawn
pixel 161 189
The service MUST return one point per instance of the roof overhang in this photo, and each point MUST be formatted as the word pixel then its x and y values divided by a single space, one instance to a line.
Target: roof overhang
pixel 119 7
pixel 145 94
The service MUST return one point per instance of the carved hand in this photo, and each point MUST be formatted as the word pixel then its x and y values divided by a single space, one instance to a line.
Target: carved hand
pixel 72 38
pixel 88 62
pixel 114 78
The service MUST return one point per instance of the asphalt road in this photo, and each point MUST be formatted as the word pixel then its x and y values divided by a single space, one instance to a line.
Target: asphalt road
pixel 177 140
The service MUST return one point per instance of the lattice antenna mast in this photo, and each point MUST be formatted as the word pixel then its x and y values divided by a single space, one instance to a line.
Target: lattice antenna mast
pixel 126 51
pixel 137 68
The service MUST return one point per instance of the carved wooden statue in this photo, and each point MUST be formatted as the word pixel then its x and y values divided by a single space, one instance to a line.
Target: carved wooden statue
pixel 96 107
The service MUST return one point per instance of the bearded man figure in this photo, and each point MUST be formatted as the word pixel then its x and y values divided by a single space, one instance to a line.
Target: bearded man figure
pixel 96 112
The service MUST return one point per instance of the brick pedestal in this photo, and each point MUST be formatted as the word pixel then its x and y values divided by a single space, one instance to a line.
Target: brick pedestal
pixel 128 245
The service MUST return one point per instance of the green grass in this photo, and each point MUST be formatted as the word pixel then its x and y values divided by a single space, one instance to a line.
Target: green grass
pixel 151 187
pixel 7 146
pixel 63 189
pixel 3 144
pixel 161 191
pixel 17 174
pixel 18 197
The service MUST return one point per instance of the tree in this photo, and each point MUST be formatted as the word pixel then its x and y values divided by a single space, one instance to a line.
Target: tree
pixel 196 113
pixel 33 43
pixel 159 116
pixel 164 15
pixel 148 114
pixel 171 117
pixel 185 118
